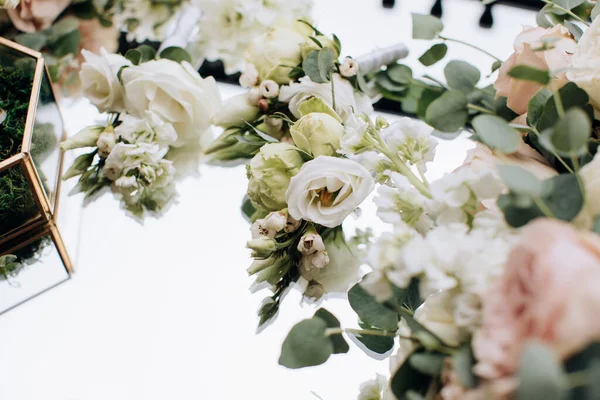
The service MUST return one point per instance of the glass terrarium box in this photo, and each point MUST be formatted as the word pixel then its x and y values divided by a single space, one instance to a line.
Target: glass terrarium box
pixel 31 129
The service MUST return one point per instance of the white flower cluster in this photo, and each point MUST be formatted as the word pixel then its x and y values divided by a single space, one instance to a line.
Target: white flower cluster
pixel 161 106
pixel 145 19
pixel 228 26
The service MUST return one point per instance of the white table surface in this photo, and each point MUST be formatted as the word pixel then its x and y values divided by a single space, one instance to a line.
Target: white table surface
pixel 163 310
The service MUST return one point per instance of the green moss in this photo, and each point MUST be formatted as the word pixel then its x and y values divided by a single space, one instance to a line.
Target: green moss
pixel 16 199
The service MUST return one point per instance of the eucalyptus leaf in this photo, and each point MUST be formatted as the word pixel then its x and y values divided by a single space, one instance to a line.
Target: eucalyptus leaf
pixel 541 377
pixel 595 11
pixel 377 344
pixel 35 41
pixel 515 214
pixel 563 195
pixel 428 96
pixel 427 338
pixel 310 65
pixel 370 311
pixel 462 76
pixel 567 5
pixel 520 181
pixel 306 345
pixel 408 379
pixel 430 364
pixel 426 26
pixel 434 54
pixel 448 113
pixel 575 30
pixel 80 165
pixel 528 73
pixel 571 96
pixel 339 344
pixel 148 53
pixel 536 105
pixel 446 135
pixel 462 362
pixel 399 73
pixel 135 56
pixel 496 133
pixel 383 81
pixel 62 28
pixel 326 63
pixel 570 136
pixel 176 54
pixel 496 65
pixel 67 44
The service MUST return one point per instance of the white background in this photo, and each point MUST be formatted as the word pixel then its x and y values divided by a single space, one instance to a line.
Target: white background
pixel 163 310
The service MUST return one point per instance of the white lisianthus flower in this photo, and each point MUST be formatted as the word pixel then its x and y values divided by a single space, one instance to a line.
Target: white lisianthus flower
pixel 349 67
pixel 236 111
pixel 402 203
pixel 458 195
pixel 347 100
pixel 318 134
pixel 412 141
pixel 586 64
pixel 176 93
pixel 373 389
pixel 148 129
pixel 106 142
pixel 9 3
pixel 275 53
pixel 327 190
pixel 145 20
pixel 249 78
pixel 99 79
pixel 357 138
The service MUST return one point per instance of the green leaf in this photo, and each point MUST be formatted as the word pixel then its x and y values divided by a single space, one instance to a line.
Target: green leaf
pixel 496 133
pixel 540 376
pixel 399 73
pixel 426 26
pixel 370 311
pixel 133 55
pixel 176 54
pixel 316 41
pixel 67 44
pixel 434 54
pixel 596 225
pixel 520 181
pixel 310 65
pixel 563 196
pixel 339 344
pixel 326 63
pixel 317 105
pixel 515 214
pixel 536 105
pixel 35 41
pixel 427 338
pixel 595 11
pixel 462 362
pixel 527 73
pixel 574 29
pixel 248 209
pixel 430 364
pixel 384 82
pixel 148 52
pixel 337 43
pixel 407 379
pixel 566 4
pixel 571 96
pixel 501 108
pixel 462 76
pixel 496 65
pixel 306 345
pixel 377 344
pixel 448 113
pixel 570 136
pixel 80 165
pixel 62 28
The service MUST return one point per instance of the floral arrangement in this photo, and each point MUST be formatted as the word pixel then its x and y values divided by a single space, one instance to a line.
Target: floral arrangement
pixel 290 126
pixel 159 118
pixel 227 27
pixel 485 288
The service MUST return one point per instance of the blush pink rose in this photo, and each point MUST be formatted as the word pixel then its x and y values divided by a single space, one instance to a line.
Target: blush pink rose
pixel 36 15
pixel 549 292
pixel 519 92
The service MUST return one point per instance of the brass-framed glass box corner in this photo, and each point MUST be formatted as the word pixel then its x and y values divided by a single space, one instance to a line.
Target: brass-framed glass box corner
pixel 32 264
pixel 31 129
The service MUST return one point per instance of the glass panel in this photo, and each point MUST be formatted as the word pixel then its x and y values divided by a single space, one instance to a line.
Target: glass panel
pixel 47 133
pixel 17 204
pixel 16 78
pixel 30 271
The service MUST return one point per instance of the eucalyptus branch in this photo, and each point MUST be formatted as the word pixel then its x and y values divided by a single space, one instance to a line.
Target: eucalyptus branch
pixel 555 154
pixel 480 109
pixel 566 11
pixel 447 39
pixel 560 109
pixel 362 332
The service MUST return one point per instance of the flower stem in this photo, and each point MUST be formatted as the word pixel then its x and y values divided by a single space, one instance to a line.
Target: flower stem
pixel 362 332
pixel 404 170
pixel 560 109
pixel 543 207
pixel 480 109
pixel 568 12
pixel 555 154
pixel 332 94
pixel 469 45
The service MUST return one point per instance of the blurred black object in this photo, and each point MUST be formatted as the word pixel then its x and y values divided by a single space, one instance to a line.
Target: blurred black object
pixel 389 3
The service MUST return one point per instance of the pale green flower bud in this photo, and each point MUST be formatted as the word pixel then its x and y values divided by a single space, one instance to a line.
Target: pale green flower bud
pixel 236 111
pixel 86 137
pixel 262 247
pixel 270 172
pixel 318 134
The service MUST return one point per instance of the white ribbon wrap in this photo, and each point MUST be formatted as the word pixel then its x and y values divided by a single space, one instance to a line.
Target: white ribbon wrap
pixel 376 59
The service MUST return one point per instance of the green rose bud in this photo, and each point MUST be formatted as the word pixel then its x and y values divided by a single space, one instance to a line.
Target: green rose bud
pixel 318 134
pixel 270 172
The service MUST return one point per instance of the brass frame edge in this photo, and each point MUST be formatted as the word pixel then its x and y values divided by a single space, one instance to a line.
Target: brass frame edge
pixel 21 48
pixel 33 104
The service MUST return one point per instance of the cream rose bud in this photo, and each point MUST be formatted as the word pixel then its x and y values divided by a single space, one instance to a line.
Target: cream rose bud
pixel 269 89
pixel 349 67
pixel 99 80
pixel 176 93
pixel 274 52
pixel 518 92
pixel 586 64
pixel 327 190
pixel 311 243
pixel 236 110
pixel 318 134
pixel 106 142
pixel 249 77
pixel 269 175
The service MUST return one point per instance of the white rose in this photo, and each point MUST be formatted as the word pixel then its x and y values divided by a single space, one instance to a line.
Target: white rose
pixel 99 79
pixel 236 110
pixel 149 129
pixel 271 51
pixel 177 94
pixel 586 61
pixel 327 190
pixel 347 101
